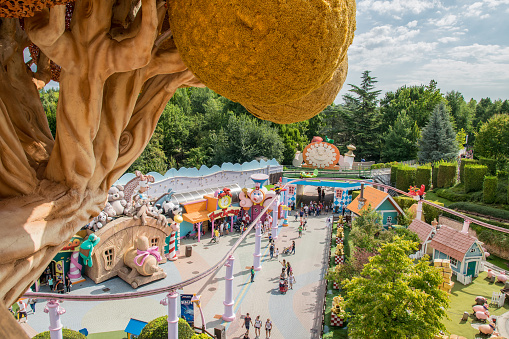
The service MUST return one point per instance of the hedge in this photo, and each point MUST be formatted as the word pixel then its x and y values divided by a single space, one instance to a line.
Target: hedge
pixel 158 329
pixel 394 173
pixel 431 212
pixel 446 175
pixel 201 336
pixel 66 334
pixel 355 194
pixel 434 176
pixel 481 209
pixel 404 202
pixel 489 189
pixel 453 196
pixel 491 164
pixel 405 177
pixel 462 167
pixel 423 176
pixel 474 176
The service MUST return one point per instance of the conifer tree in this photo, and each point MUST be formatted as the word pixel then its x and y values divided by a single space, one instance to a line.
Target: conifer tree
pixel 438 138
pixel 400 142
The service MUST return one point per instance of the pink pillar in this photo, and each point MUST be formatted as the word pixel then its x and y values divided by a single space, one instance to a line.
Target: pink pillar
pixel 173 320
pixel 212 227
pixel 199 231
pixel 231 224
pixel 257 263
pixel 274 221
pixel 466 226
pixel 418 215
pixel 228 302
pixel 386 189
pixel 54 311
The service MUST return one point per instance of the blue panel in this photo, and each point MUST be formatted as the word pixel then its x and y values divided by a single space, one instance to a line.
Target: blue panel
pixel 125 179
pixel 135 326
pixel 157 176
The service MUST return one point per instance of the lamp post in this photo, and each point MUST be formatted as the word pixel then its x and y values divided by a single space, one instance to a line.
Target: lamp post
pixel 173 320
pixel 55 325
pixel 228 295
pixel 258 245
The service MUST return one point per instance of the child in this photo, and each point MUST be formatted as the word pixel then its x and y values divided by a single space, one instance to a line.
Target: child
pixel 291 280
pixel 300 231
pixel 277 254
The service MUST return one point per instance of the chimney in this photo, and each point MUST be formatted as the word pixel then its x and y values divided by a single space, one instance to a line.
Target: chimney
pixel 362 201
pixel 434 223
pixel 466 225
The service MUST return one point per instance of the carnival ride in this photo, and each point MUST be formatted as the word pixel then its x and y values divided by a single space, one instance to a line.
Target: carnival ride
pixel 53 297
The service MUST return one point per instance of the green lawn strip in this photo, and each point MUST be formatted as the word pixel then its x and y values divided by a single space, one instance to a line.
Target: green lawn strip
pixel 503 264
pixel 108 335
pixel 463 298
pixel 433 197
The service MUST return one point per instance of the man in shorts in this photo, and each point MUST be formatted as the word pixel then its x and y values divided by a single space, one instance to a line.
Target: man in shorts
pixel 247 323
pixel 22 313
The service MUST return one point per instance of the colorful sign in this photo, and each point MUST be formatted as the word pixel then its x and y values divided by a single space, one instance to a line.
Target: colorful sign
pixel 59 267
pixel 338 192
pixel 187 308
pixel 224 201
pixel 291 189
pixel 227 212
pixel 73 244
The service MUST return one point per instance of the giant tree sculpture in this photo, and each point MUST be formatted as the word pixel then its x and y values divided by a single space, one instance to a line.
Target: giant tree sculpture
pixel 118 62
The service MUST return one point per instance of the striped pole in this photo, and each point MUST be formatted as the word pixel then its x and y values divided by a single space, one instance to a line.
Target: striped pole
pixel 75 269
pixel 171 248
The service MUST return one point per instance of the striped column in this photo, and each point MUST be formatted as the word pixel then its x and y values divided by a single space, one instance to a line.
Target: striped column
pixel 75 269
pixel 171 248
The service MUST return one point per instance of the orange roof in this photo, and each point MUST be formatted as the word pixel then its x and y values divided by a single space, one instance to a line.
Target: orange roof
pixel 452 242
pixel 374 198
pixel 195 217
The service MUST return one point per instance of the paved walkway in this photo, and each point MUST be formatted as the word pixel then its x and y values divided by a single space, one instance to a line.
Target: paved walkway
pixel 294 315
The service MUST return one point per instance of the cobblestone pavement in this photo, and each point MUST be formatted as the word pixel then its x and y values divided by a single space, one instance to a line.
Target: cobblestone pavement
pixel 297 314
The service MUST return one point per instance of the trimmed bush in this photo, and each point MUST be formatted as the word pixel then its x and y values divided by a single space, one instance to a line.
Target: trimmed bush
pixel 405 177
pixel 201 336
pixel 158 329
pixel 491 164
pixel 423 176
pixel 66 334
pixel 434 176
pixel 474 176
pixel 404 202
pixel 489 189
pixel 464 162
pixel 431 212
pixel 355 194
pixel 452 196
pixel 394 173
pixel 446 175
pixel 481 209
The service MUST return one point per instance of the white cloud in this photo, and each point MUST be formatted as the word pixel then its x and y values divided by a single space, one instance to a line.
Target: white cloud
pixel 481 53
pixel 412 24
pixel 397 6
pixel 448 39
pixel 447 21
pixel 477 9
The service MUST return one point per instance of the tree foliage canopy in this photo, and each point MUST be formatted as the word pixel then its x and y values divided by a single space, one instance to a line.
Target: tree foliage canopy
pixel 492 140
pixel 395 297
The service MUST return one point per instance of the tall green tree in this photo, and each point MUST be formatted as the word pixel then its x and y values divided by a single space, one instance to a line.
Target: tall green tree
pixel 395 297
pixel 400 141
pixel 152 159
pixel 364 117
pixel 492 140
pixel 365 229
pixel 417 101
pixel 49 100
pixel 292 140
pixel 438 139
pixel 337 125
pixel 461 112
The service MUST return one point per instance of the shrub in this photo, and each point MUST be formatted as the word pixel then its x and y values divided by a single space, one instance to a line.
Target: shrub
pixel 66 334
pixel 481 209
pixel 434 176
pixel 462 167
pixel 355 194
pixel 394 173
pixel 474 176
pixel 446 175
pixel 491 164
pixel 423 176
pixel 158 329
pixel 431 212
pixel 404 202
pixel 200 336
pixel 405 178
pixel 489 189
pixel 452 196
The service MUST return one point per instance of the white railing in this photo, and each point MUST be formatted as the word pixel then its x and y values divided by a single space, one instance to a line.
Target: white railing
pixel 416 255
pixel 464 279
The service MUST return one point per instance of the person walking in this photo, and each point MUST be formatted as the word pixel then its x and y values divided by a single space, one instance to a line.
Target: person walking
pixel 68 284
pixel 247 323
pixel 271 251
pixel 50 282
pixel 257 326
pixel 22 313
pixel 221 228
pixel 289 268
pixel 293 247
pixel 32 302
pixel 300 231
pixel 291 280
pixel 277 254
pixel 268 328
pixel 59 286
pixel 252 273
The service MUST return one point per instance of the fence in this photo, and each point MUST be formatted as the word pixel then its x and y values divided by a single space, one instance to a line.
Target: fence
pixel 464 279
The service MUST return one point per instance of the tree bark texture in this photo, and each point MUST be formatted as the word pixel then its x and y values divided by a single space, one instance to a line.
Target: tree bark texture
pixel 116 78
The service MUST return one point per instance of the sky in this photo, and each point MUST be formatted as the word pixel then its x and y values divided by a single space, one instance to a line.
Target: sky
pixel 461 44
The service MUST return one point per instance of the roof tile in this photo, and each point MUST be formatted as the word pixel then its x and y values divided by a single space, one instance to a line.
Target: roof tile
pixel 452 242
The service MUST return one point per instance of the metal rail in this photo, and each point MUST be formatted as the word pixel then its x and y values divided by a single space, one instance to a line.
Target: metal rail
pixel 220 263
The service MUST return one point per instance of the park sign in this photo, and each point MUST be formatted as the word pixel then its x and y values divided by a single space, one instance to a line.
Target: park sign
pixel 222 213
pixel 187 308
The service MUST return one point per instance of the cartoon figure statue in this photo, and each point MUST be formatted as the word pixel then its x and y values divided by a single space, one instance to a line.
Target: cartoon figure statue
pixel 87 247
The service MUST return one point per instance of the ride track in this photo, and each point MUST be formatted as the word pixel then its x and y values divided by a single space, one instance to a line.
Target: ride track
pixel 219 264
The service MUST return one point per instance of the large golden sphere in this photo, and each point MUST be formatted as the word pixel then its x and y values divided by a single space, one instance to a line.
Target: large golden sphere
pixel 305 107
pixel 263 52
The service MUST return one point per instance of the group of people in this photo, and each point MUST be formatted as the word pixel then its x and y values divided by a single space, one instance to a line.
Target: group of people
pixel 257 324
pixel 59 285
pixel 286 278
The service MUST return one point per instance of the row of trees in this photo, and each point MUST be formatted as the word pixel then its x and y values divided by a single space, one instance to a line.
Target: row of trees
pixel 199 127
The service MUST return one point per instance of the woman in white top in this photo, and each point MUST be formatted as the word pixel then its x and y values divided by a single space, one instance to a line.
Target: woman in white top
pixel 268 328
pixel 257 326
pixel 291 280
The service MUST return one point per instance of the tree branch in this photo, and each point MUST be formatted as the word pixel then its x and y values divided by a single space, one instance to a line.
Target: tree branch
pixel 165 62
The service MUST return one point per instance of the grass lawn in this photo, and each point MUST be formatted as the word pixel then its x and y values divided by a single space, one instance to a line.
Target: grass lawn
pixel 462 299
pixel 433 197
pixel 502 263
pixel 108 335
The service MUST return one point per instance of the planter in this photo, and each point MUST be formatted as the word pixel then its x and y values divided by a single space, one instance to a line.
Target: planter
pixel 339 259
pixel 336 321
pixel 335 285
